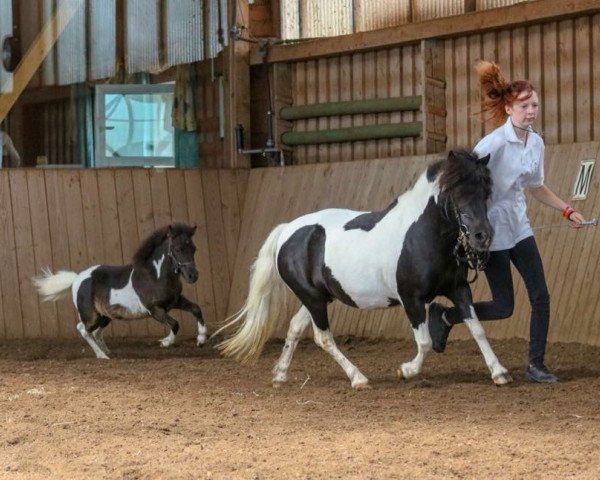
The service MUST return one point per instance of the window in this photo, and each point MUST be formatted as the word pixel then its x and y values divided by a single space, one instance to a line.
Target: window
pixel 132 126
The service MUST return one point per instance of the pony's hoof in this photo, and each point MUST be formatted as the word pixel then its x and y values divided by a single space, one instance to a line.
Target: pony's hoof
pixel 503 379
pixel 406 371
pixel 277 384
pixel 200 340
pixel 362 386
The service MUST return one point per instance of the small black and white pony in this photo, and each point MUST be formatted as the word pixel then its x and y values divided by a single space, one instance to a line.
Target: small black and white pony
pixel 149 287
pixel 419 247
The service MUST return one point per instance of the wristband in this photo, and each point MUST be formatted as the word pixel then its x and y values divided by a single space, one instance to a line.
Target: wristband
pixel 568 211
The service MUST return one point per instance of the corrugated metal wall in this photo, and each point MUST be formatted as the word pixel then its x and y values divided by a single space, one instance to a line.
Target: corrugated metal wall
pixel 158 34
pixel 142 39
pixel 183 22
pixel 103 30
pixel 487 4
pixel 316 18
pixel 428 9
pixel 371 15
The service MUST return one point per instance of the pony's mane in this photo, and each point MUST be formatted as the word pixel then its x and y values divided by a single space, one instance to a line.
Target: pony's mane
pixel 154 240
pixel 464 171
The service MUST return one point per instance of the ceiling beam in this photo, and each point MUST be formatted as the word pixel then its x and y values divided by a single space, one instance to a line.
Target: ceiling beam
pixel 38 51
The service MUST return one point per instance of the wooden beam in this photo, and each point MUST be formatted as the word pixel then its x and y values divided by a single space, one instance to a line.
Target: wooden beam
pixel 37 52
pixel 433 108
pixel 236 76
pixel 351 107
pixel 353 134
pixel 520 14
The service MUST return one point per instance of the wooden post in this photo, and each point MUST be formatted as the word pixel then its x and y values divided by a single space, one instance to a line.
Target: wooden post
pixel 37 52
pixel 282 97
pixel 434 97
pixel 236 88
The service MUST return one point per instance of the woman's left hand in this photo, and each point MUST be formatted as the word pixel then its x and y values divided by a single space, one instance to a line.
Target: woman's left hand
pixel 576 220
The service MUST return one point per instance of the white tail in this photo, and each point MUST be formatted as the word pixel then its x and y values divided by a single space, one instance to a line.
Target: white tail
pixel 54 286
pixel 260 313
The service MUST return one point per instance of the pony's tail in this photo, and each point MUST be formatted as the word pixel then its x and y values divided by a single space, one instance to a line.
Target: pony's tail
pixel 54 286
pixel 260 313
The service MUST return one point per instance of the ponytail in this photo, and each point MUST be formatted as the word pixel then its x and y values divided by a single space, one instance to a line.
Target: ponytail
pixel 497 91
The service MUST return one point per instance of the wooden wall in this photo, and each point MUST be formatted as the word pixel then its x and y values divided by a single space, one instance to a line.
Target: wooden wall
pixel 557 56
pixel 385 73
pixel 74 218
pixel 212 151
pixel 278 195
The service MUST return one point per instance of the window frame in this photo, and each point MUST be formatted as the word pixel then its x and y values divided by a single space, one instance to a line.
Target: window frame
pixel 100 158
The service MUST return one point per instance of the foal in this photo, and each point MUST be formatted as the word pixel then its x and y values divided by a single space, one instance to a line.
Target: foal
pixel 149 287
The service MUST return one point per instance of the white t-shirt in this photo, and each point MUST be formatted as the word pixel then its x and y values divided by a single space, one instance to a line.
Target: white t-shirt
pixel 514 165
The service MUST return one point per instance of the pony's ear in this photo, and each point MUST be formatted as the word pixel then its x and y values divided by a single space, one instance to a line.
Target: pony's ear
pixel 194 227
pixel 484 160
pixel 170 231
pixel 451 155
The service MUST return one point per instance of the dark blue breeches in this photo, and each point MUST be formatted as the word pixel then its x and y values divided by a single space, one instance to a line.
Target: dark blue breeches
pixel 526 258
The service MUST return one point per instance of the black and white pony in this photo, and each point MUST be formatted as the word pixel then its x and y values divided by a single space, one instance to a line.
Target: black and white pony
pixel 419 247
pixel 149 287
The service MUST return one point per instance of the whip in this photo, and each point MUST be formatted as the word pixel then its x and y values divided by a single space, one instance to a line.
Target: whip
pixel 588 223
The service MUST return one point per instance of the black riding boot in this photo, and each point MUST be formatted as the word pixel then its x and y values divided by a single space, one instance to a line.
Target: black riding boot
pixel 439 327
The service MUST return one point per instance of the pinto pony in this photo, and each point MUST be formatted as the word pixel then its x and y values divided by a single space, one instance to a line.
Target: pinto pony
pixel 149 287
pixel 421 246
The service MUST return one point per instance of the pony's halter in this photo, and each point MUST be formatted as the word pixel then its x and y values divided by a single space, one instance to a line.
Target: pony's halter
pixel 463 251
pixel 176 263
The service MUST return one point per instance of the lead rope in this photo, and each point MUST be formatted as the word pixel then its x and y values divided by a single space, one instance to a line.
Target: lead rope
pixel 588 223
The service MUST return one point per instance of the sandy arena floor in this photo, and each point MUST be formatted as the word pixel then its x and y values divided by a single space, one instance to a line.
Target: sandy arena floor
pixel 185 413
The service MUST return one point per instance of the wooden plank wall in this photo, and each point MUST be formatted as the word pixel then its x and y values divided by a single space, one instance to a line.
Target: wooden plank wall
pixel 71 219
pixel 74 218
pixel 278 195
pixel 385 73
pixel 207 106
pixel 558 57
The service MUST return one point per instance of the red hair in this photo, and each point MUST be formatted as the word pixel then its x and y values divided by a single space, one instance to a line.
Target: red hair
pixel 498 92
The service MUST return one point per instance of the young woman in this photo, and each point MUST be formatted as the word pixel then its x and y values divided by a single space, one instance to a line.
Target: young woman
pixel 516 163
